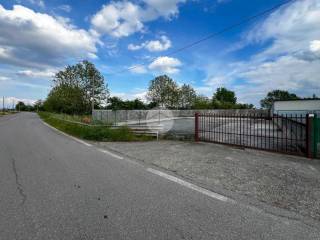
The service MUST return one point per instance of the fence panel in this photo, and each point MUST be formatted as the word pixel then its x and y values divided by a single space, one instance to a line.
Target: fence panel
pixel 287 134
pixel 316 137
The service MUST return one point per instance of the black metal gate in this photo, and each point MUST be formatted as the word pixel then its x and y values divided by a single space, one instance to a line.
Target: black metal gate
pixel 286 134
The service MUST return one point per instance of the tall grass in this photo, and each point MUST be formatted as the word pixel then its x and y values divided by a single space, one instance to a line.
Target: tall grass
pixel 96 133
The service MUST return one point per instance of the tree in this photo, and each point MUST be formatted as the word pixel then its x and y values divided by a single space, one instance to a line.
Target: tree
pixel 21 106
pixel 116 103
pixel 202 102
pixel 66 99
pixel 73 89
pixel 163 91
pixel 277 95
pixel 187 96
pixel 91 78
pixel 224 95
pixel 135 104
pixel 38 105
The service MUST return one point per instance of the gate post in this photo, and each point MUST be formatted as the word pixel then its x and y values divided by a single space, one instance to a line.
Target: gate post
pixel 309 123
pixel 196 127
pixel 315 136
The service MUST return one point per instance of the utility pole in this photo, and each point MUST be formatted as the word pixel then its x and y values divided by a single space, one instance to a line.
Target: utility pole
pixel 3 104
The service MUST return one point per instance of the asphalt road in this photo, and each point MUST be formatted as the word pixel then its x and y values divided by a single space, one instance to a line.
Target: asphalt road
pixel 53 187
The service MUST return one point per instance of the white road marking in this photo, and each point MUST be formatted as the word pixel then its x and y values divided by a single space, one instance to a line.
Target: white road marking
pixel 110 153
pixel 191 186
pixel 312 168
pixel 76 139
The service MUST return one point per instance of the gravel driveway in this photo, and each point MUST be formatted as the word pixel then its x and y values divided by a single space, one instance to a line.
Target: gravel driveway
pixel 286 182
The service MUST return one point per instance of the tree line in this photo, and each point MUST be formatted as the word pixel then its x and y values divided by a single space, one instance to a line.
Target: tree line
pixel 78 88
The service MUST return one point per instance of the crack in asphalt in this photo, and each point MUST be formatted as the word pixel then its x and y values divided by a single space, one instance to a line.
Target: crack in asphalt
pixel 19 185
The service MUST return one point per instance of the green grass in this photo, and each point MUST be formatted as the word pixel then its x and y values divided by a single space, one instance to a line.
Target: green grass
pixel 6 113
pixel 95 133
pixel 75 118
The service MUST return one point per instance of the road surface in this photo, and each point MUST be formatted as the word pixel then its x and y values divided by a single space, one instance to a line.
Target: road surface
pixel 53 187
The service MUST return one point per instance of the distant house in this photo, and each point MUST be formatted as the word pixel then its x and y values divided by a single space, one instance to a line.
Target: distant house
pixel 297 107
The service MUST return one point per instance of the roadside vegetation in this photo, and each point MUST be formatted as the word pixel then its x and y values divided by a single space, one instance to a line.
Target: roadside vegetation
pixel 87 132
pixel 2 113
pixel 85 119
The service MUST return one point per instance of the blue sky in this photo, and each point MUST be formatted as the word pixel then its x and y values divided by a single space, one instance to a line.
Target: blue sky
pixel 280 50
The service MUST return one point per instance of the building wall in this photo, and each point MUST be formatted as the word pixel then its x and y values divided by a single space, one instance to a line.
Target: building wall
pixel 296 107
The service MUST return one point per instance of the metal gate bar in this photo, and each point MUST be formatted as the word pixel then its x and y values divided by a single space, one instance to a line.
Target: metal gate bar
pixel 286 134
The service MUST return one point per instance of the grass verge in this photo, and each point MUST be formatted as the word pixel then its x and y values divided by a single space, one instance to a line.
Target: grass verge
pixel 6 113
pixel 95 133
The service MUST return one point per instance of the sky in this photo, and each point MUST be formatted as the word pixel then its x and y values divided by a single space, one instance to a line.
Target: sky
pixel 278 51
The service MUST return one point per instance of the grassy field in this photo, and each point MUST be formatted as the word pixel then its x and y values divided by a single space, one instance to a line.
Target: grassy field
pixel 96 133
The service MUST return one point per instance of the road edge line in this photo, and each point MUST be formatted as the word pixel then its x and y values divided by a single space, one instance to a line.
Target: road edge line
pixel 65 134
pixel 110 153
pixel 192 186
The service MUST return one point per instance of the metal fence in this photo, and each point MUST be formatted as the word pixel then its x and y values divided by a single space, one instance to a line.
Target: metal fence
pixel 287 134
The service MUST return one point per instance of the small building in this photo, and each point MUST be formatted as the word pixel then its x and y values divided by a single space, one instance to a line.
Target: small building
pixel 297 107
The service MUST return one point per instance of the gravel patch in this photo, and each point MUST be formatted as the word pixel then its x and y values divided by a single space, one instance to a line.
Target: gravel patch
pixel 288 182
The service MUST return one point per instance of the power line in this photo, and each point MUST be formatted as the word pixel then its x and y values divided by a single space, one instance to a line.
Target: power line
pixel 212 35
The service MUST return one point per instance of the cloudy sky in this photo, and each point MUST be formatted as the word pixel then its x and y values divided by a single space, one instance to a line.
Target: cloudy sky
pixel 280 50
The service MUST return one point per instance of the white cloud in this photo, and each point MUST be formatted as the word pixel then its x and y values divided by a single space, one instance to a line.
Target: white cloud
pixel 118 19
pixel 165 64
pixel 139 69
pixel 10 102
pixel 135 94
pixel 165 8
pixel 123 18
pixel 290 58
pixel 286 72
pixel 65 7
pixel 19 83
pixel 315 46
pixel 299 25
pixel 153 46
pixel 27 39
pixel 36 73
pixel 133 47
pixel 3 78
pixel 39 3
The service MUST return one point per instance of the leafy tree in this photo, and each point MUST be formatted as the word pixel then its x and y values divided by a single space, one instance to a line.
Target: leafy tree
pixel 21 106
pixel 187 96
pixel 163 91
pixel 135 104
pixel 116 103
pixel 38 105
pixel 66 99
pixel 91 78
pixel 224 96
pixel 244 106
pixel 277 95
pixel 74 84
pixel 202 102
